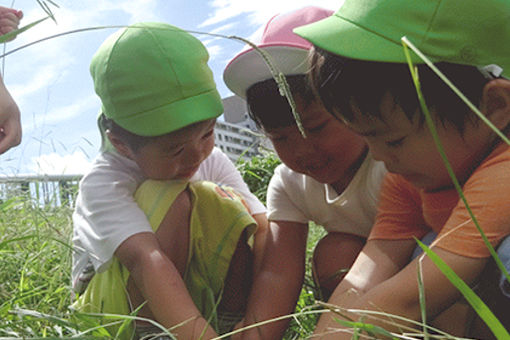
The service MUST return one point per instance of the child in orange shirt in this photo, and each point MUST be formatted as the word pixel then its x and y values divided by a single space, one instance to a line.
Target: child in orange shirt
pixel 360 72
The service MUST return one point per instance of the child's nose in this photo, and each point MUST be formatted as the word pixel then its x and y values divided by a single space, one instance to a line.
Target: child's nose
pixel 381 153
pixel 302 148
pixel 194 154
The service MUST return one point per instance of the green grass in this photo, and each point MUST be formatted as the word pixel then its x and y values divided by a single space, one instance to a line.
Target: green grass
pixel 34 268
pixel 35 263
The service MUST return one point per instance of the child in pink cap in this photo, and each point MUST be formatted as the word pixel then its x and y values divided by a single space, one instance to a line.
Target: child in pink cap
pixel 328 177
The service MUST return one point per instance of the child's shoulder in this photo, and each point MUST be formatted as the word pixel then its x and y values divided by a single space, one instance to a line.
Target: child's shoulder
pixel 111 167
pixel 500 155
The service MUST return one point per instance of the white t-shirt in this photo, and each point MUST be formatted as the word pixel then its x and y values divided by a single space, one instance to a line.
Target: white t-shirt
pixel 299 198
pixel 106 213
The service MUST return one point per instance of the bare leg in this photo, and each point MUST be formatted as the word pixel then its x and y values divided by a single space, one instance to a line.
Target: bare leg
pixel 239 279
pixel 173 237
pixel 333 256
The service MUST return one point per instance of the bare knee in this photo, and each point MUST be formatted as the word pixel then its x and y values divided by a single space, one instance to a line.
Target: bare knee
pixel 334 254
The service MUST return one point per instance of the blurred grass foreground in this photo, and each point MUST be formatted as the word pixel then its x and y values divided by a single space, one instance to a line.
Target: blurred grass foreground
pixel 35 256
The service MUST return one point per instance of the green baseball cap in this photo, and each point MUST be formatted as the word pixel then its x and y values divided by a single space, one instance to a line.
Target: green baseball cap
pixel 470 32
pixel 153 79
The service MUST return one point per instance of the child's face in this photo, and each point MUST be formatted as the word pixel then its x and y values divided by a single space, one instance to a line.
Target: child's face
pixel 329 151
pixel 178 154
pixel 407 148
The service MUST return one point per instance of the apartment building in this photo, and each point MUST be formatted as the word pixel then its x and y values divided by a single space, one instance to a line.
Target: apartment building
pixel 237 134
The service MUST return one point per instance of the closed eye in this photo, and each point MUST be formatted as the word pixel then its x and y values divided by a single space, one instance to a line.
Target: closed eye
pixel 177 153
pixel 395 143
pixel 208 134
pixel 317 128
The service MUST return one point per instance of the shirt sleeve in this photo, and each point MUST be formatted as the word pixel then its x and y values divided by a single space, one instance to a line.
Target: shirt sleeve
pixel 106 213
pixel 218 168
pixel 279 204
pixel 399 213
pixel 487 193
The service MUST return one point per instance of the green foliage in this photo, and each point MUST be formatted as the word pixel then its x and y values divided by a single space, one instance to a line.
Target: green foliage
pixel 34 269
pixel 478 305
pixel 35 264
pixel 257 172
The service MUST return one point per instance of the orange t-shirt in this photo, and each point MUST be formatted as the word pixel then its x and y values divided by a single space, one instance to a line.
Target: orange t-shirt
pixel 405 212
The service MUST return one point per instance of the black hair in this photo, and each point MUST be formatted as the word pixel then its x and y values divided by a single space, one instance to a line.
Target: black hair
pixel 268 108
pixel 342 83
pixel 133 141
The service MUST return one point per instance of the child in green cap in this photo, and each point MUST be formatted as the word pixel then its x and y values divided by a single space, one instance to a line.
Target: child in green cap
pixel 360 72
pixel 179 244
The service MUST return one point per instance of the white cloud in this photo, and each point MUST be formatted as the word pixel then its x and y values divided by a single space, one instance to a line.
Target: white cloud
pixel 63 113
pixel 258 11
pixel 42 64
pixel 220 29
pixel 41 80
pixel 214 51
pixel 55 164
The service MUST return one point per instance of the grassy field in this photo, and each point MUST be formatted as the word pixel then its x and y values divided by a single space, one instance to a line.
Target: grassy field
pixel 35 262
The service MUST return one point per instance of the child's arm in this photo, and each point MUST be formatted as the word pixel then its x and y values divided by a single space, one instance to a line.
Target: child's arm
pixel 277 285
pixel 162 286
pixel 10 123
pixel 259 243
pixel 106 213
pixel 376 282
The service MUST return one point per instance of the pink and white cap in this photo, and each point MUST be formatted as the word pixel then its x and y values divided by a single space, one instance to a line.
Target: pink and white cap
pixel 288 50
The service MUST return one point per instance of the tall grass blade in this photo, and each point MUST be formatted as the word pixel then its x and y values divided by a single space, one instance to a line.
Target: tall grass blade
pixel 47 9
pixel 372 330
pixel 427 61
pixel 8 36
pixel 478 305
pixel 423 306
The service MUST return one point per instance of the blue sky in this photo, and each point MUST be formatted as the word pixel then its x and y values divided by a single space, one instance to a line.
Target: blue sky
pixel 52 86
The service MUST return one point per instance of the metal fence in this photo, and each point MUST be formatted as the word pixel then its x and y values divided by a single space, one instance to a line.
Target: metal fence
pixel 43 190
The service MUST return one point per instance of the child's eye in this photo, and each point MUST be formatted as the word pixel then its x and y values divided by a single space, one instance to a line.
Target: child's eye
pixel 278 139
pixel 316 128
pixel 395 143
pixel 177 153
pixel 208 134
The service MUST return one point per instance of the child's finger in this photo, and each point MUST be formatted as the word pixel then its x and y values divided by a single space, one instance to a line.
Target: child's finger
pixel 8 10
pixel 8 22
pixel 10 19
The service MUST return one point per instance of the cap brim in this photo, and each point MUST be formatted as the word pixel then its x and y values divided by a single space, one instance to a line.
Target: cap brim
pixel 174 116
pixel 341 37
pixel 249 67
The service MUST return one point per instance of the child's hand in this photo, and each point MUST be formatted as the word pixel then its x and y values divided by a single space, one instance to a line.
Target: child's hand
pixel 10 124
pixel 9 19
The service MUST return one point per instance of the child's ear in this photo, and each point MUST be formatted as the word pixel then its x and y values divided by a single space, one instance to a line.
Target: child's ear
pixel 119 145
pixel 496 102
